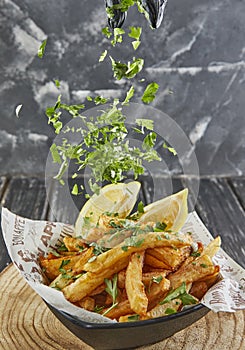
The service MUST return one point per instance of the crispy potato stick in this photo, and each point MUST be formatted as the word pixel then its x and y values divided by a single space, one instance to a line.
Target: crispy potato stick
pixel 160 309
pixel 172 257
pixel 148 277
pixel 123 308
pixel 212 248
pixel 87 303
pixel 155 263
pixel 84 257
pixel 85 284
pixel 74 244
pixel 198 289
pixel 156 290
pixel 196 270
pixel 52 266
pixel 61 281
pixel 211 279
pixel 134 285
pixel 137 243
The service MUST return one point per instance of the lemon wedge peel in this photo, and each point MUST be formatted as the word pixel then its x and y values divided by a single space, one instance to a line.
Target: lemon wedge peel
pixel 114 198
pixel 171 210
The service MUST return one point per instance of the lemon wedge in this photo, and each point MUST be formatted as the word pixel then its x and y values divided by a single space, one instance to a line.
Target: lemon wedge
pixel 114 198
pixel 172 210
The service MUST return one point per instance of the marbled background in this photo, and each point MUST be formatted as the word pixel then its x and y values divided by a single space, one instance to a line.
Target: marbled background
pixel 197 56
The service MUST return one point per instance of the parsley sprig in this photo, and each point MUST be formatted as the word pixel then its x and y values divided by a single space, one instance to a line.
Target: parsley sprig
pixel 180 293
pixel 111 289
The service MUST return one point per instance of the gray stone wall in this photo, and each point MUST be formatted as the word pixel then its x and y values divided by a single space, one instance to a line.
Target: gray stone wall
pixel 197 57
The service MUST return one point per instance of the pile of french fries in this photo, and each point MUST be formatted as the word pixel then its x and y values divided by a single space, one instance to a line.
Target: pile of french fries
pixel 145 274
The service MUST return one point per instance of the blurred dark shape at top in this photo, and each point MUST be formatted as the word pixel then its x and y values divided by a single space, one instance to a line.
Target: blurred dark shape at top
pixel 119 17
pixel 154 11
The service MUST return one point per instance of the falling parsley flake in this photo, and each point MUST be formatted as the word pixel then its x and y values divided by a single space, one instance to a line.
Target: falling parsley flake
pixel 171 149
pixel 150 93
pixel 41 49
pixel 103 56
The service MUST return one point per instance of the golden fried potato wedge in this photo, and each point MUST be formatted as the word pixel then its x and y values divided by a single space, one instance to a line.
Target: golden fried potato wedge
pixel 136 244
pixel 122 308
pixel 162 309
pixel 74 244
pixel 89 281
pixel 194 271
pixel 87 303
pixel 213 247
pixel 156 290
pixel 172 257
pixel 53 267
pixel 154 262
pixel 134 285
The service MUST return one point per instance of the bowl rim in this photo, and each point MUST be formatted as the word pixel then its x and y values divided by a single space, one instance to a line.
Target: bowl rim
pixel 116 325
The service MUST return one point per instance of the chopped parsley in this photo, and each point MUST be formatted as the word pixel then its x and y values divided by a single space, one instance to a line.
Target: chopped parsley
pixel 180 293
pixel 150 93
pixel 41 49
pixel 160 226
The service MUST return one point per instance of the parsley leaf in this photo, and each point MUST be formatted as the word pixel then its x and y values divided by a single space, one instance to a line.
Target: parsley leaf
pixel 129 70
pixel 129 95
pixel 103 56
pixel 150 93
pixel 41 49
pixel 160 227
pixel 55 154
pixel 106 32
pixel 171 149
pixel 180 293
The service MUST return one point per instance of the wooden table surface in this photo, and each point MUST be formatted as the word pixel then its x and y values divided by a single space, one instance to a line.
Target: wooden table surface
pixel 220 204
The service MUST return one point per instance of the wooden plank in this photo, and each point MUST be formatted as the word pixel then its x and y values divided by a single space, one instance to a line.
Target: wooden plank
pixel 4 257
pixel 156 188
pixel 223 215
pixel 3 182
pixel 238 186
pixel 26 197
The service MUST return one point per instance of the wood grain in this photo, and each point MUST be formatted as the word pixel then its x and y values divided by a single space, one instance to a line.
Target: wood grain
pixel 223 215
pixel 23 196
pixel 27 323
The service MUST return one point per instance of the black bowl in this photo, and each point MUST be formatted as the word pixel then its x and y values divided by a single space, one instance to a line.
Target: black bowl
pixel 130 335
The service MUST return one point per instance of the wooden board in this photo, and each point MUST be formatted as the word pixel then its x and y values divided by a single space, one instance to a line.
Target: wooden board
pixel 23 196
pixel 26 323
pixel 223 215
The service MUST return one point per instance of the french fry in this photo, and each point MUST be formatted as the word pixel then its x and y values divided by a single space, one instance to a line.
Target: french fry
pixel 194 271
pixel 52 266
pixel 134 285
pixel 138 243
pixel 74 244
pixel 211 279
pixel 154 262
pixel 148 277
pixel 198 289
pixel 162 309
pixel 87 303
pixel 85 284
pixel 212 248
pixel 61 281
pixel 156 290
pixel 122 308
pixel 172 257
